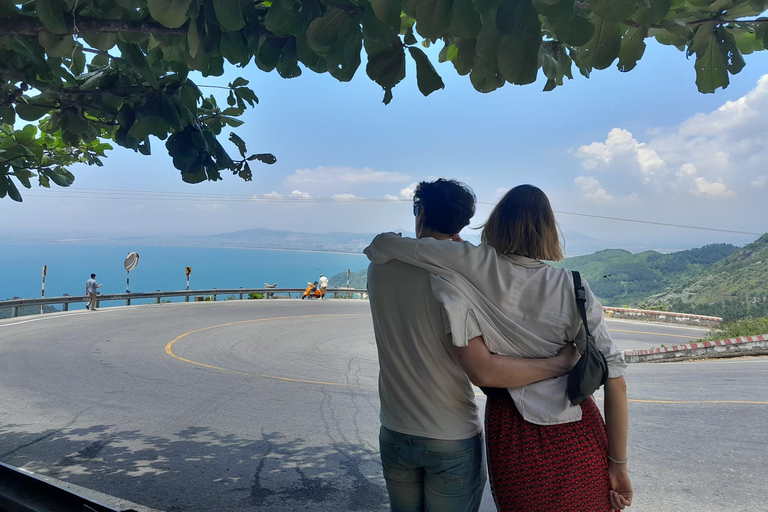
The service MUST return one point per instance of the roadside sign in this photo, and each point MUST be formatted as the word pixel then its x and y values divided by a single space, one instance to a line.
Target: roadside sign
pixel 189 270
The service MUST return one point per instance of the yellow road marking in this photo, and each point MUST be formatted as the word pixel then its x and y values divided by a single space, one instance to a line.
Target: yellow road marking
pixel 169 351
pixel 696 401
pixel 654 333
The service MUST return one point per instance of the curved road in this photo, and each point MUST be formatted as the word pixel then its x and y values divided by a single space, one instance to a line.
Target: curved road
pixel 272 405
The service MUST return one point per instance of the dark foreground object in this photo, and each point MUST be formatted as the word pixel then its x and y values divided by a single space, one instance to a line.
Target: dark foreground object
pixel 23 492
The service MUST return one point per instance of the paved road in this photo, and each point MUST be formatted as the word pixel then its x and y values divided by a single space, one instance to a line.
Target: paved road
pixel 272 405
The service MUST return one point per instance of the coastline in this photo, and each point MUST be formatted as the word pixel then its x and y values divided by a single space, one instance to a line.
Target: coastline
pixel 152 244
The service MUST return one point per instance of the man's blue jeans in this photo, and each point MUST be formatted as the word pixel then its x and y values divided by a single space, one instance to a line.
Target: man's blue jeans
pixel 432 475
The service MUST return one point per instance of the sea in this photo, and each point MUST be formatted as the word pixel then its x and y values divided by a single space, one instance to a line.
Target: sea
pixel 69 265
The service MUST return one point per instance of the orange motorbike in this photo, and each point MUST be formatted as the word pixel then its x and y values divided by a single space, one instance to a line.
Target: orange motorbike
pixel 312 291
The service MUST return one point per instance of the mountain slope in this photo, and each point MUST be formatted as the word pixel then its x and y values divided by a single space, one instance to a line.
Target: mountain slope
pixel 619 277
pixel 735 287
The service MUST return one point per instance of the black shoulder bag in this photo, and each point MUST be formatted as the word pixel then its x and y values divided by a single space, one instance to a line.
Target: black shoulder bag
pixel 591 371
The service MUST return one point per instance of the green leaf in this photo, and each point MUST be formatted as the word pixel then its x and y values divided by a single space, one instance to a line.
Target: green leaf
pixel 576 32
pixel 426 77
pixel 51 14
pixel 733 58
pixel 632 48
pixel 56 46
pixel 617 10
pixel 556 10
pixel 288 64
pixel 103 41
pixel 267 158
pixel 12 191
pixel 230 14
pixel 387 68
pixel 518 54
pixel 240 143
pixel 29 112
pixel 604 47
pixel 711 67
pixel 465 21
pixel 136 58
pixel 170 13
pixel 433 17
pixel 653 14
pixel 388 12
pixel 324 31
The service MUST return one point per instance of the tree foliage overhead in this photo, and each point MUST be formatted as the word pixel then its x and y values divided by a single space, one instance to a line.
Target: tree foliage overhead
pixel 118 70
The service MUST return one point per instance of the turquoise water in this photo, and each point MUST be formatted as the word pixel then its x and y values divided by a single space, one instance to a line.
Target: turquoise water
pixel 159 268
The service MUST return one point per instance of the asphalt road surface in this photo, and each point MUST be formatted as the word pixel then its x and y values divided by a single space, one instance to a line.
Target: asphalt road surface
pixel 272 405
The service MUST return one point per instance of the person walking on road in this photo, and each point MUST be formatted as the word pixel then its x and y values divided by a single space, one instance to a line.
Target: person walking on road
pixel 430 436
pixel 544 453
pixel 323 285
pixel 91 291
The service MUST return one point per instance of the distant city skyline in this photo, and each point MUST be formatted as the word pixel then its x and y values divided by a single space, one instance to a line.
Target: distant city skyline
pixel 643 145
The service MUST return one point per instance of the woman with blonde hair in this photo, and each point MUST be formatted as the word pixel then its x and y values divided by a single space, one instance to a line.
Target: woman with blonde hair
pixel 544 453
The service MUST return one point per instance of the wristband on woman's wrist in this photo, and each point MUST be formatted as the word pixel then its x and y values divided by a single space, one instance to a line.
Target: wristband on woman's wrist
pixel 617 461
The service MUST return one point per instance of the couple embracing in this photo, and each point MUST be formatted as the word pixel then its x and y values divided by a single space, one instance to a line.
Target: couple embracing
pixel 448 314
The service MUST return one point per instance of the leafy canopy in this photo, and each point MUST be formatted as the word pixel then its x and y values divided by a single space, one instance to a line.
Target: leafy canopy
pixel 90 71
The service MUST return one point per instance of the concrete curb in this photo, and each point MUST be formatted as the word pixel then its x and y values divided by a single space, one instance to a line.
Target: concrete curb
pixel 732 347
pixel 666 317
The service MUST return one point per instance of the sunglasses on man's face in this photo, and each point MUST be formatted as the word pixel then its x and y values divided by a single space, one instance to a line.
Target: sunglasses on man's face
pixel 416 208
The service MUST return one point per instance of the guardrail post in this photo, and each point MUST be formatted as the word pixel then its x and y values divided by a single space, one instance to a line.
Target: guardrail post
pixel 214 296
pixel 65 305
pixel 186 299
pixel 241 293
pixel 158 299
pixel 15 311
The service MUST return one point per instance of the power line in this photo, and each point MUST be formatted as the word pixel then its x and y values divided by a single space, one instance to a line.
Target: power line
pixel 145 195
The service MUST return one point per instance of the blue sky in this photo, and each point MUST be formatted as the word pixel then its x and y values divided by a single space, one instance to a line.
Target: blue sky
pixel 642 145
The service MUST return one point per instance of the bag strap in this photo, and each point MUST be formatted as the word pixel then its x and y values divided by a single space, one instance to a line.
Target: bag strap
pixel 581 299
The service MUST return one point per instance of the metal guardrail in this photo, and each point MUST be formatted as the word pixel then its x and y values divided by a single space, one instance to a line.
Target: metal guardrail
pixel 269 293
pixel 21 491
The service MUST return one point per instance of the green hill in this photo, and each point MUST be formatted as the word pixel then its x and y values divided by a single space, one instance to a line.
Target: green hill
pixel 620 278
pixel 733 288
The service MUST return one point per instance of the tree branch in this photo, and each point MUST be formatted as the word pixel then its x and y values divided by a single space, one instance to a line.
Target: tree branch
pixel 32 26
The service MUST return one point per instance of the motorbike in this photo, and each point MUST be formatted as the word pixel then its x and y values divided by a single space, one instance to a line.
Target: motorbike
pixel 312 291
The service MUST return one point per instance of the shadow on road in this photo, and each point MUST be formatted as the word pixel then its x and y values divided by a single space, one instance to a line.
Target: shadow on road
pixel 201 469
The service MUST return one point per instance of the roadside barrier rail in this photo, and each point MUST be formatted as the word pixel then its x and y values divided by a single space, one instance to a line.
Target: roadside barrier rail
pixel 269 293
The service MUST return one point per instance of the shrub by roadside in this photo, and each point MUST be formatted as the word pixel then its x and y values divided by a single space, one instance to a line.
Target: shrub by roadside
pixel 745 327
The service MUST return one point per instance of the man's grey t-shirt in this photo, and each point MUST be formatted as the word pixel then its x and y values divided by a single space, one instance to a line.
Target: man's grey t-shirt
pixel 423 391
pixel 91 286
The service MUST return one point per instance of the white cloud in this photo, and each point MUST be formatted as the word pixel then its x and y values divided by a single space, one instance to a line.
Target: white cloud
pixel 407 192
pixel 344 196
pixel 299 193
pixel 706 188
pixel 273 194
pixel 592 189
pixel 620 143
pixel 717 155
pixel 324 175
pixel 390 197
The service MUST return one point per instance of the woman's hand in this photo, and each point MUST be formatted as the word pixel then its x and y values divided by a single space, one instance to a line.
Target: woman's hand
pixel 621 487
pixel 566 358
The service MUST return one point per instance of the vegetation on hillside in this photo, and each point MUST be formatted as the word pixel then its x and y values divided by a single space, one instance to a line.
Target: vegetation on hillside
pixel 733 288
pixel 744 327
pixel 620 278
pixel 357 280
